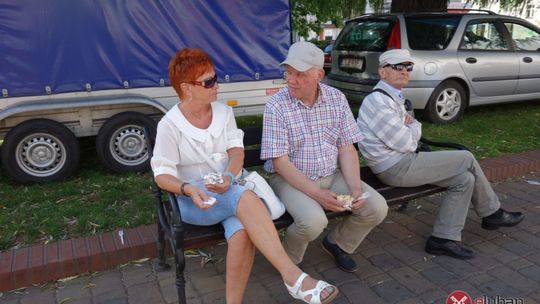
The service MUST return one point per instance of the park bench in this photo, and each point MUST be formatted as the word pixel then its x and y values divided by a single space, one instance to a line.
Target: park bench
pixel 184 236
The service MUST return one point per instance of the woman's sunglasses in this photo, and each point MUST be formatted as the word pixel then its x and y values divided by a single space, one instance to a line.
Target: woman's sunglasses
pixel 208 83
pixel 401 66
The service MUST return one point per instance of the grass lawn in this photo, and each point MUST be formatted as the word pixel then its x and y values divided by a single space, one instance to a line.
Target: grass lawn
pixel 95 200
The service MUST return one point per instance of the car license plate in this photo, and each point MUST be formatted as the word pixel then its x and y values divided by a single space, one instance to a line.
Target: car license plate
pixel 352 63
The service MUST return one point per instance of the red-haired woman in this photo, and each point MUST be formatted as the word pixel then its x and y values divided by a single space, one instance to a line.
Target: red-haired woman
pixel 196 126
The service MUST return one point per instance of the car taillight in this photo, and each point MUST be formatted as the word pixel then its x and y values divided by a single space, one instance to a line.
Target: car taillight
pixel 394 41
pixel 327 58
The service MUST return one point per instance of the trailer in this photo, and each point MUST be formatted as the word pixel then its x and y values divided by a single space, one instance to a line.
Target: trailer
pixel 71 69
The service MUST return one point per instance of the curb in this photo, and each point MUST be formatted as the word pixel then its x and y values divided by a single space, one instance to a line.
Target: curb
pixel 48 262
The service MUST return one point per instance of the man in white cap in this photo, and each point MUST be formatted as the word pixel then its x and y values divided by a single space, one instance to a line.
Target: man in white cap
pixel 389 147
pixel 308 130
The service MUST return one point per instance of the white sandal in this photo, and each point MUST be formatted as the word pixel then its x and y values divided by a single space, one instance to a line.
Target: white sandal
pixel 296 291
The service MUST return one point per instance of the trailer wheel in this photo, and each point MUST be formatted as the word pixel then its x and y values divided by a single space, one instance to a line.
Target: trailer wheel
pixel 121 144
pixel 40 150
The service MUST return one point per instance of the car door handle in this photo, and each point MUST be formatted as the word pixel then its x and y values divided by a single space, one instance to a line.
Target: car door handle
pixel 470 60
pixel 527 59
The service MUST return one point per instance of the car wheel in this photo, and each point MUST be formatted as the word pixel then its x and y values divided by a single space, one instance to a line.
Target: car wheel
pixel 121 144
pixel 40 150
pixel 447 103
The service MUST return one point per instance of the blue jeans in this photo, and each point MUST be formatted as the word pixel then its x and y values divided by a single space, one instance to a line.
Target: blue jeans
pixel 223 211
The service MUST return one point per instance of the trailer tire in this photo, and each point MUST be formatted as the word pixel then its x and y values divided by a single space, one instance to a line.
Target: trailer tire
pixel 121 144
pixel 40 150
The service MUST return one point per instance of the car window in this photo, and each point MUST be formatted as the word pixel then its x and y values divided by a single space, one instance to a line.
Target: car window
pixel 365 35
pixel 430 33
pixel 525 38
pixel 483 35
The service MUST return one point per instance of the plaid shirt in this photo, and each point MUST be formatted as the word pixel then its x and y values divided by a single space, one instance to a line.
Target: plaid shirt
pixel 309 136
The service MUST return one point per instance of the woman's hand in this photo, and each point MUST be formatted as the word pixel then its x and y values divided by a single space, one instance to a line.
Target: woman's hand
pixel 220 188
pixel 198 196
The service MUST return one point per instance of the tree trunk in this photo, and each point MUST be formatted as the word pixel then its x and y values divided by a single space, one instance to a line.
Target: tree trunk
pixel 410 6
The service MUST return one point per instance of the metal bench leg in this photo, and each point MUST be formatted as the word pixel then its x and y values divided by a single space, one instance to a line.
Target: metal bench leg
pixel 162 264
pixel 178 248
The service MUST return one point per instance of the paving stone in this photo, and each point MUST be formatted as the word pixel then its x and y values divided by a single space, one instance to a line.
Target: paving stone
pixel 517 247
pixel 439 276
pixel 354 291
pixel 377 279
pixel 170 294
pixel 392 291
pixel 459 267
pixel 145 293
pixel 519 264
pixel 527 238
pixel 484 262
pixel 499 288
pixel 381 238
pixel 480 278
pixel 514 279
pixel 78 301
pixel 433 296
pixel 409 278
pixel 396 229
pixel 207 280
pixel 38 295
pixel 366 269
pixel 214 297
pixel 74 290
pixel 405 254
pixel 384 261
pixel 114 296
pixel 137 274
pixel 531 272
pixel 257 293
pixel 106 281
pixel 462 285
pixel 339 277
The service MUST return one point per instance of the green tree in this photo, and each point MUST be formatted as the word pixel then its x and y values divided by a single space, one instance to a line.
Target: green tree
pixel 312 14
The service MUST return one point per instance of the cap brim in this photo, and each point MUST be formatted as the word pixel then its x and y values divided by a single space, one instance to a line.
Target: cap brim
pixel 297 64
pixel 398 60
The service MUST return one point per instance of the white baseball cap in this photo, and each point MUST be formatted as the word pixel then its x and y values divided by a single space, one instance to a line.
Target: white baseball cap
pixel 395 56
pixel 304 55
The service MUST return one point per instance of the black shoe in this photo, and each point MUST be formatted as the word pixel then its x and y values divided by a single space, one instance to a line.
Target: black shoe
pixel 450 248
pixel 507 219
pixel 343 260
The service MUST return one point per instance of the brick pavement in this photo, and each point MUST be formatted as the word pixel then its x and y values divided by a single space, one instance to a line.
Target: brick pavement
pixel 393 266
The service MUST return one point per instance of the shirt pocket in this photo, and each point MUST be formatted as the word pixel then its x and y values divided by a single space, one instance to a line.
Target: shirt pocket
pixel 330 136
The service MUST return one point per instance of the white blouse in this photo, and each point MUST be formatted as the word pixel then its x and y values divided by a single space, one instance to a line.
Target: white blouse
pixel 174 154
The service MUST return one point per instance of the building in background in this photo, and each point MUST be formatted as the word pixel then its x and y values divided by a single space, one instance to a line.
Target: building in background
pixel 529 12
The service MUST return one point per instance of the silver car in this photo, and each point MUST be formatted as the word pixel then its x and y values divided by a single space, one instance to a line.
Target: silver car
pixel 460 59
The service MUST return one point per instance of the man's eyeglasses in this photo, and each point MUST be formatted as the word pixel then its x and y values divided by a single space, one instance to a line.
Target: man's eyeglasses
pixel 208 83
pixel 401 66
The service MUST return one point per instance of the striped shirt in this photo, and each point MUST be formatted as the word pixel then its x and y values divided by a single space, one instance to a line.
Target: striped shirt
pixel 309 136
pixel 381 120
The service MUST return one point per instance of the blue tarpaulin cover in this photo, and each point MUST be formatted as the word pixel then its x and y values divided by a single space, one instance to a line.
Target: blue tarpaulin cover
pixel 65 44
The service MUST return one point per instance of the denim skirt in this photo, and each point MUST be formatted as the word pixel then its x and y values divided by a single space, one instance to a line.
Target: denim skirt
pixel 223 211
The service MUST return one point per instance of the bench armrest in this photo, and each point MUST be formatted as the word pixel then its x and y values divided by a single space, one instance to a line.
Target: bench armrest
pixel 426 141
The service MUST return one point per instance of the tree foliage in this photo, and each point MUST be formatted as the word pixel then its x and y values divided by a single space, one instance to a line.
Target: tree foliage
pixel 310 15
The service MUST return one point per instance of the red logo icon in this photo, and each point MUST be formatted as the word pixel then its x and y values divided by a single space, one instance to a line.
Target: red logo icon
pixel 459 297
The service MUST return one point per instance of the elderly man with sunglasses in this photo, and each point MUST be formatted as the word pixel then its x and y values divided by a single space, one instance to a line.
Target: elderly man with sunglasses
pixel 390 145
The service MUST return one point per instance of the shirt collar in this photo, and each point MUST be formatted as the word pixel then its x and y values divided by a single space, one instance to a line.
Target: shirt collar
pixel 319 99
pixel 391 90
pixel 215 128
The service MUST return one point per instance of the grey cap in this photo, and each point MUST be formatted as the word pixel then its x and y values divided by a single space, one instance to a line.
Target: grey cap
pixel 395 56
pixel 304 55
